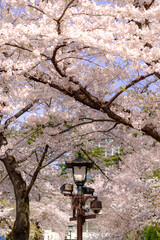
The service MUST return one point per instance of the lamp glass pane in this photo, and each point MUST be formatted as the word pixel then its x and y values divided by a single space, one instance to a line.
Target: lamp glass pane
pixel 70 227
pixel 79 173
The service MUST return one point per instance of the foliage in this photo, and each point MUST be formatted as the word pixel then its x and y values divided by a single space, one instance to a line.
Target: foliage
pixel 156 173
pixel 35 231
pixel 152 232
pixel 63 169
pixel 134 236
pixel 98 152
pixel 112 160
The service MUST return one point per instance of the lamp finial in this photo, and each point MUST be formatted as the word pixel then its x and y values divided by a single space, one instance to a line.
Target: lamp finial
pixel 79 154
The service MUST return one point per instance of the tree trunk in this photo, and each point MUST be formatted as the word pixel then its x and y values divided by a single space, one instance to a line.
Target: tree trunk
pixel 21 226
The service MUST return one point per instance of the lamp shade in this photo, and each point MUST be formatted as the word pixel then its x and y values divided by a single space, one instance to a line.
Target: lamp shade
pixel 79 173
pixel 79 169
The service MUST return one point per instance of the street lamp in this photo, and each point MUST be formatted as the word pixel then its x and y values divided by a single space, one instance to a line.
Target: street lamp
pixel 79 168
pixel 70 228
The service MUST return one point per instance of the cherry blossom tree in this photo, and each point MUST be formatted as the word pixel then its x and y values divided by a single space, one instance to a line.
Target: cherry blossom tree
pixel 93 53
pixel 70 70
pixel 128 199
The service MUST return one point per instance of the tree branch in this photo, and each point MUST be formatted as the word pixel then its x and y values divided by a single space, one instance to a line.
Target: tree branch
pixel 60 18
pixel 26 49
pixel 96 164
pixel 35 174
pixel 77 125
pixel 54 61
pixel 64 11
pixel 4 178
pixel 14 174
pixel 38 9
pixel 99 131
pixel 20 113
pixel 17 46
pixel 53 160
pixel 128 86
pixel 83 96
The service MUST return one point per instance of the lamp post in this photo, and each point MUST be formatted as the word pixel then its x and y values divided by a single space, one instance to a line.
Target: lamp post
pixel 70 228
pixel 79 168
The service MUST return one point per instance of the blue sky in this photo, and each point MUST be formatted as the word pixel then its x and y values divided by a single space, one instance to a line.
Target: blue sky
pixel 102 2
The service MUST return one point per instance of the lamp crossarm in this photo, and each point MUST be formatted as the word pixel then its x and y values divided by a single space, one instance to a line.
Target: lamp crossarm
pixel 78 201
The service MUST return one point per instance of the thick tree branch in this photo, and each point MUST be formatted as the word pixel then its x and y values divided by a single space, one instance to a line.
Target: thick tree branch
pixel 2 70
pixel 89 100
pixel 59 20
pixel 3 140
pixel 54 61
pixel 149 129
pixel 15 176
pixel 157 74
pixel 64 11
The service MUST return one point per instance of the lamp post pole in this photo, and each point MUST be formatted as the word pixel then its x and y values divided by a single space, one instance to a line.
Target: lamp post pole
pixel 79 227
pixel 80 219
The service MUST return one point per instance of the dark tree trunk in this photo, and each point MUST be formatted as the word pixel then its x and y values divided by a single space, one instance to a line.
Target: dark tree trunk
pixel 21 226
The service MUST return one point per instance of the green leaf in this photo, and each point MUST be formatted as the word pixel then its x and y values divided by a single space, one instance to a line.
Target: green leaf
pixel 69 126
pixel 50 124
pixel 135 134
pixel 123 89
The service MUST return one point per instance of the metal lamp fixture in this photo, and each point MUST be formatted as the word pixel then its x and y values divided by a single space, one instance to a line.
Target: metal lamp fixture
pixel 96 206
pixel 79 168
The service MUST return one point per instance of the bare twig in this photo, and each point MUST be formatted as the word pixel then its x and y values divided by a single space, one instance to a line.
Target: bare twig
pixel 4 178
pixel 35 174
pixel 53 160
pixel 97 120
pixel 17 46
pixel 20 113
pixel 38 9
pixel 96 164
pixel 100 131
pixel 126 87
pixel 26 49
